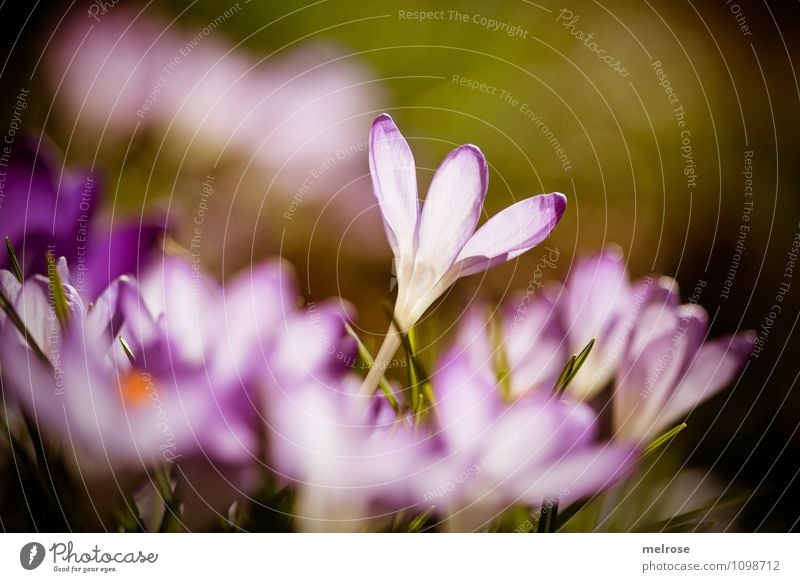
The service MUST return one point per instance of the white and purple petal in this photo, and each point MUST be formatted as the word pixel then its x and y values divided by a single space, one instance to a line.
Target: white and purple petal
pixel 511 232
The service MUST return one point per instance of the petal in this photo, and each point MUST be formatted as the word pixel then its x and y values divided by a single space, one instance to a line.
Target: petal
pixel 713 368
pixel 33 385
pixel 107 315
pixel 452 207
pixel 473 336
pixel 532 432
pixel 312 343
pixel 467 403
pixel 30 193
pixel 649 381
pixel 534 341
pixel 579 474
pixel 184 296
pixel 659 298
pixel 256 304
pixel 595 305
pixel 511 232
pixel 34 309
pixel 128 249
pixel 394 178
pixel 10 287
pixel 598 289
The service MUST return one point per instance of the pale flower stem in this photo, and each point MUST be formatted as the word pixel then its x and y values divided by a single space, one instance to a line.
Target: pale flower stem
pixel 388 349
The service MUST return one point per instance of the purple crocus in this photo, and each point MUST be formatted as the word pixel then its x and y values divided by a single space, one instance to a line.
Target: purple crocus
pixel 119 406
pixel 539 329
pixel 597 302
pixel 350 461
pixel 494 453
pixel 165 373
pixel 48 208
pixel 523 341
pixel 667 367
pixel 438 244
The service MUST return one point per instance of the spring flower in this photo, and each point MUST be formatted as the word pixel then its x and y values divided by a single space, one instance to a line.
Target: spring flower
pixel 597 303
pixel 288 114
pixel 437 245
pixel 493 453
pixel 182 390
pixel 48 208
pixel 523 342
pixel 537 331
pixel 668 368
pixel 350 462
pixel 121 408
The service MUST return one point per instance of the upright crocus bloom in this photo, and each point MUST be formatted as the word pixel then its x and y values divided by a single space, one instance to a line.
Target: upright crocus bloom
pixel 667 369
pixel 435 246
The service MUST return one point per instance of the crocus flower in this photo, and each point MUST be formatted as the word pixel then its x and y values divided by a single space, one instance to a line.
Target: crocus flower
pixel 294 115
pixel 350 461
pixel 523 342
pixel 180 391
pixel 538 330
pixel 124 409
pixel 493 454
pixel 435 246
pixel 597 302
pixel 667 367
pixel 48 208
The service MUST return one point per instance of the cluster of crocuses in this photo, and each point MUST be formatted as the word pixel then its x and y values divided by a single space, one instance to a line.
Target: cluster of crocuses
pixel 149 365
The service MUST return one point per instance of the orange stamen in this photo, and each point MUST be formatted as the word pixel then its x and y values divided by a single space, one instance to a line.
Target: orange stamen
pixel 135 387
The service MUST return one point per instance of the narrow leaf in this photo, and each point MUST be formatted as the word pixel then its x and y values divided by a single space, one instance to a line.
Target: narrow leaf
pixel 57 288
pixel 420 376
pixel 572 368
pixel 659 442
pixel 548 518
pixel 580 359
pixel 560 384
pixel 14 262
pixel 501 364
pixel 418 522
pixel 127 349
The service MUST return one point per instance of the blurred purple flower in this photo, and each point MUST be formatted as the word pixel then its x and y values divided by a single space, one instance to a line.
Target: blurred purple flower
pixel 495 453
pixel 344 453
pixel 597 302
pixel 667 367
pixel 526 344
pixel 295 114
pixel 119 413
pixel 186 385
pixel 647 345
pixel 439 244
pixel 50 208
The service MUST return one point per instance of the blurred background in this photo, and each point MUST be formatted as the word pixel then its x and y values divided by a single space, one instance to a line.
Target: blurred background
pixel 672 127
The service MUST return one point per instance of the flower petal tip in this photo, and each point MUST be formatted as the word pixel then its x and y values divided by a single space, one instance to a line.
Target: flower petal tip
pixel 559 203
pixel 473 149
pixel 383 118
pixel 745 341
pixel 476 152
pixel 613 253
